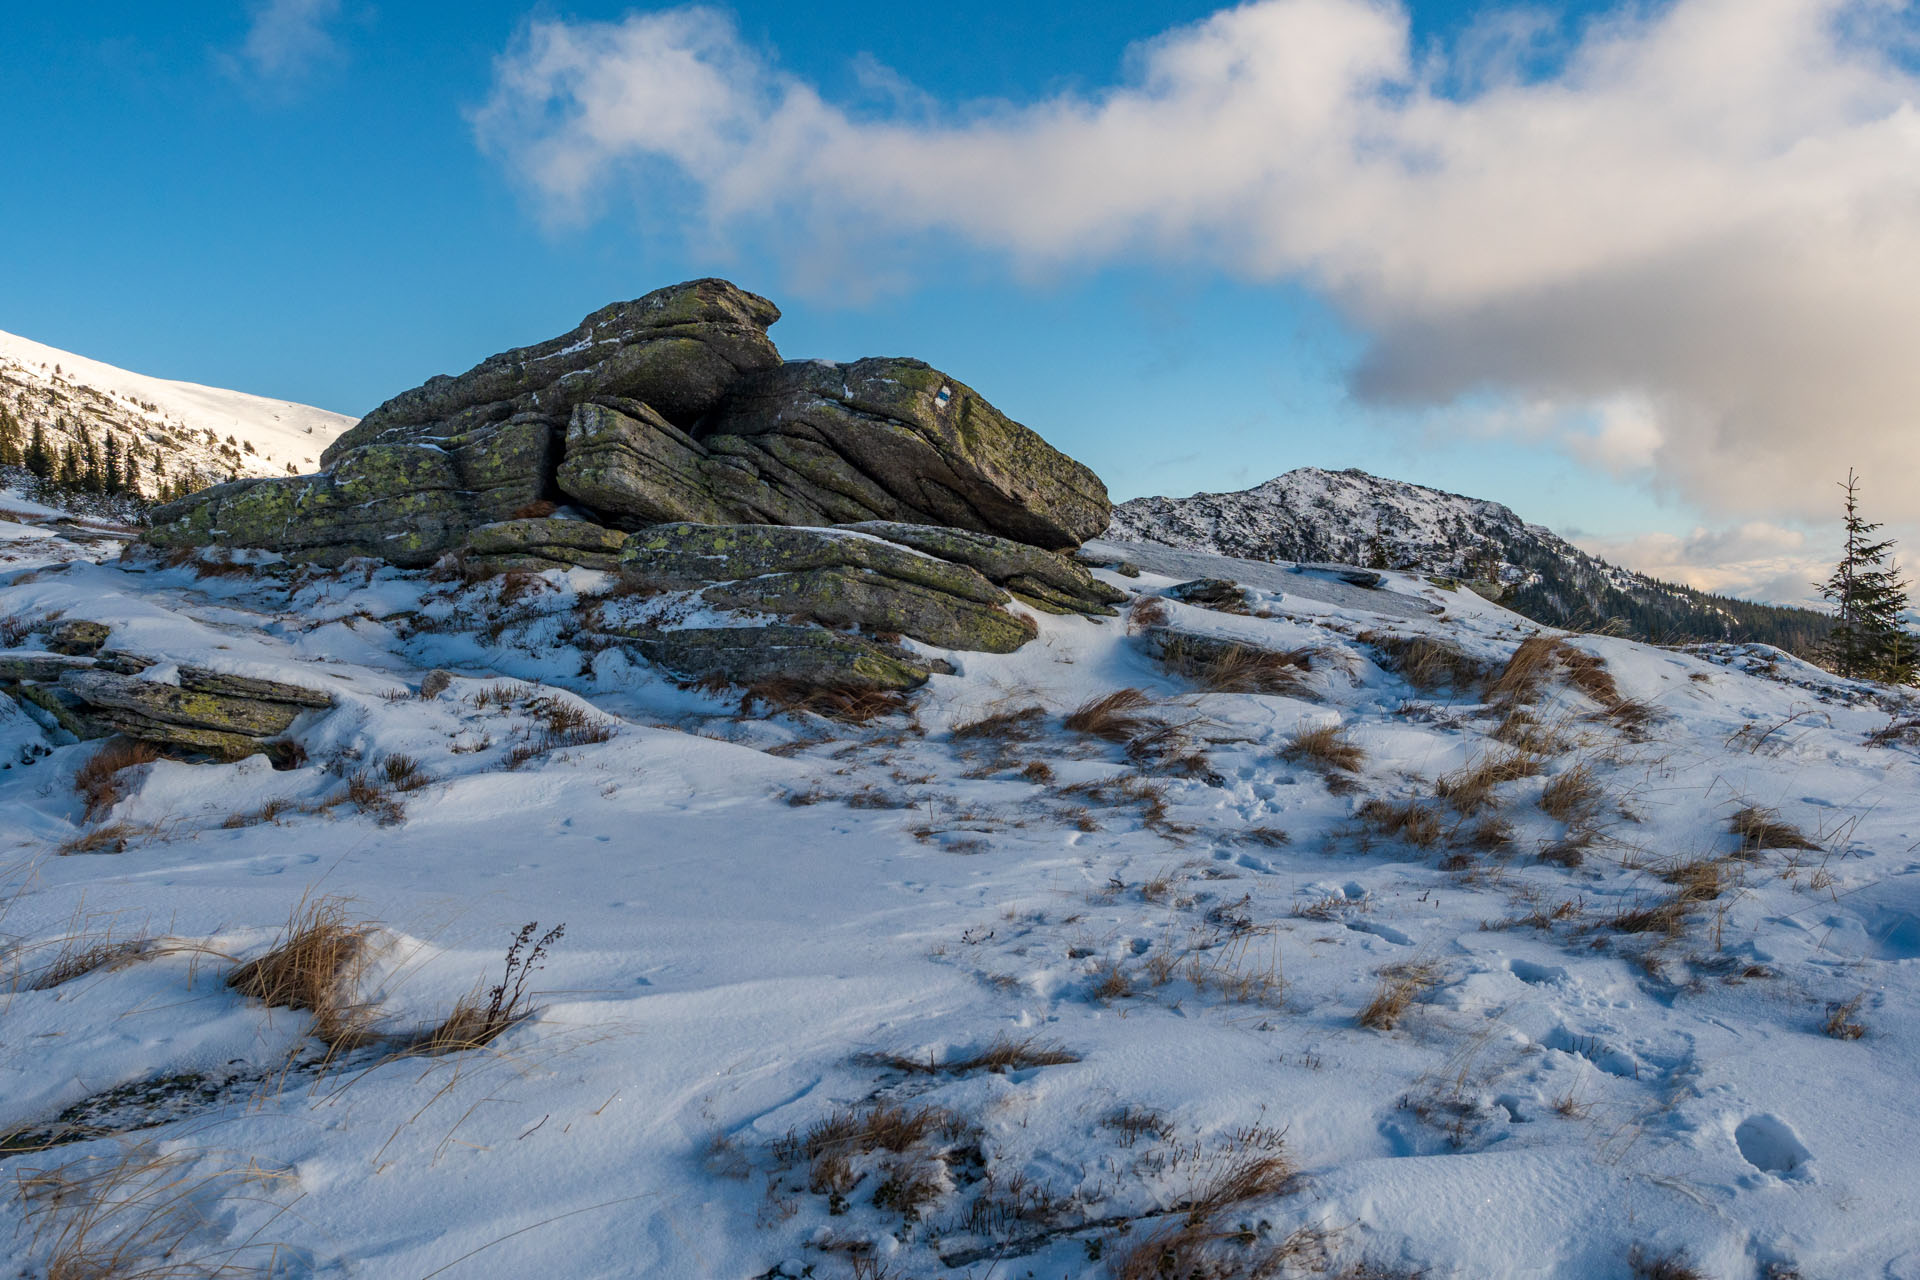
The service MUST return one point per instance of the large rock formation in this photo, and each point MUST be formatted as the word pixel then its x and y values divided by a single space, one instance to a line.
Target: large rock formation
pixel 665 439
pixel 674 407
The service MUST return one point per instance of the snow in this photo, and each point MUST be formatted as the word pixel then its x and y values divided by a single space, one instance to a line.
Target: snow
pixel 280 431
pixel 757 905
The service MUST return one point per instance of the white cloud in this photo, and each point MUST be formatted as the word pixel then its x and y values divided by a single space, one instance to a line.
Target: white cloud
pixel 1753 561
pixel 287 38
pixel 1704 226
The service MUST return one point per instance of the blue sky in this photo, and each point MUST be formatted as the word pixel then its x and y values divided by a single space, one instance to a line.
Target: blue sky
pixel 329 200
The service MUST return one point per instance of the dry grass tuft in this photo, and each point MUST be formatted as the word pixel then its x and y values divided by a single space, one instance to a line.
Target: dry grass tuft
pixel 77 957
pixel 1843 1019
pixel 1112 716
pixel 1426 662
pixel 1520 730
pixel 1672 1264
pixel 1023 724
pixel 98 781
pixel 1572 795
pixel 1003 1055
pixel 1540 658
pixel 1399 986
pixel 1697 879
pixel 1410 820
pixel 403 772
pixel 1236 668
pixel 1472 788
pixel 1665 916
pixel 115 837
pixel 1760 829
pixel 313 966
pixel 141 1214
pixel 1325 747
pixel 849 706
pixel 1147 611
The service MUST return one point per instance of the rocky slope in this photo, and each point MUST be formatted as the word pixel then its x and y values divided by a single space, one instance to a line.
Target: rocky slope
pixel 177 436
pixel 1351 517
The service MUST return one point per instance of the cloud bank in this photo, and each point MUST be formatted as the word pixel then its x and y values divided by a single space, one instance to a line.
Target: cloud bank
pixel 1698 237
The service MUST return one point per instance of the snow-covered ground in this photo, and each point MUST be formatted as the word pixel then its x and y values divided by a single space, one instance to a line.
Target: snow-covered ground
pixel 196 430
pixel 782 932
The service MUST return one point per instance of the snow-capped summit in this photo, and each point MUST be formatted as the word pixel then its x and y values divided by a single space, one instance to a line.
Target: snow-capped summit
pixel 1352 517
pixel 178 434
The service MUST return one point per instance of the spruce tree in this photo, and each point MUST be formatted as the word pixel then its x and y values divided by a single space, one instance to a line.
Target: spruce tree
pixel 1869 640
pixel 39 456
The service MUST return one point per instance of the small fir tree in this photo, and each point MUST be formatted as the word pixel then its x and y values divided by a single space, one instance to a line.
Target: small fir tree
pixel 1869 640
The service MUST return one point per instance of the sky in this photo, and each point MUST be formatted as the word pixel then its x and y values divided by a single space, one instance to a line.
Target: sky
pixel 1647 273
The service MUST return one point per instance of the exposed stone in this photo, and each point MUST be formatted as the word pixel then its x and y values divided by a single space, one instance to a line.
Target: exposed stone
pixel 1352 575
pixel 544 543
pixel 204 680
pixel 64 709
pixel 834 578
pixel 39 666
pixel 77 637
pixel 116 697
pixel 747 656
pixel 814 443
pixel 1211 593
pixel 418 473
pixel 121 662
pixel 1044 579
pixel 184 739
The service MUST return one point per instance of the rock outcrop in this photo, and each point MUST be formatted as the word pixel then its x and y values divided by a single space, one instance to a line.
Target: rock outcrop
pixel 198 712
pixel 673 407
pixel 665 439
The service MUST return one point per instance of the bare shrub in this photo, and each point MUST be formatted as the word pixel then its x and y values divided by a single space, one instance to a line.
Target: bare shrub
pixel 1472 789
pixel 1760 829
pixel 1325 747
pixel 313 966
pixel 403 772
pixel 98 781
pixel 1399 986
pixel 1112 716
pixel 472 1024
pixel 370 796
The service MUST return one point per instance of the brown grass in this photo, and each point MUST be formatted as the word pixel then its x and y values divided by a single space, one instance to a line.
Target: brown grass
pixel 1112 716
pixel 115 837
pixel 849 706
pixel 1472 789
pixel 1571 795
pixel 141 1214
pixel 1696 879
pixel 1325 747
pixel 1760 829
pixel 1022 724
pixel 313 966
pixel 1426 662
pixel 1236 668
pixel 98 781
pixel 1540 659
pixel 1399 986
pixel 1665 916
pixel 78 957
pixel 1003 1055
pixel 1519 729
pixel 1147 611
pixel 1843 1019
pixel 1410 820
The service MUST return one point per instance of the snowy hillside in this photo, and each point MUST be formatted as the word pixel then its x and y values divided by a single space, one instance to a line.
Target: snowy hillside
pixel 1437 946
pixel 177 433
pixel 1351 517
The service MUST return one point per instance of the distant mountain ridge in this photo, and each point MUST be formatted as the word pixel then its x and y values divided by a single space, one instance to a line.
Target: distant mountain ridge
pixel 178 435
pixel 1352 517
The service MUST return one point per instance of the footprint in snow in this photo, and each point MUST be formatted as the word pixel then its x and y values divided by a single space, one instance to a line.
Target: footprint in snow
pixel 1770 1145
